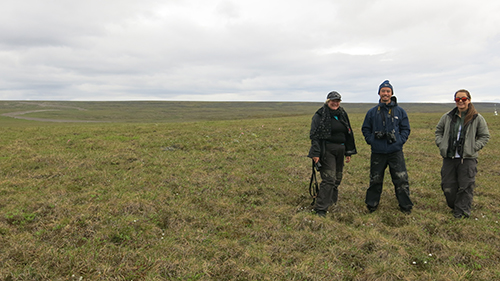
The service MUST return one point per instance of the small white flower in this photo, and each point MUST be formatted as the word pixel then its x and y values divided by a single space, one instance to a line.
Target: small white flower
pixel 430 255
pixel 414 262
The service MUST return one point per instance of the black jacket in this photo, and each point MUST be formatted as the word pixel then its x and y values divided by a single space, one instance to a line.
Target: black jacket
pixel 321 131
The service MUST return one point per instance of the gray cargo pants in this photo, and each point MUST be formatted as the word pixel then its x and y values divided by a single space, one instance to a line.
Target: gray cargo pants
pixel 331 175
pixel 458 180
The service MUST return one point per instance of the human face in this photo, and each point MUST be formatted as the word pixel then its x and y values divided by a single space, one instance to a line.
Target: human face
pixel 385 95
pixel 462 105
pixel 334 104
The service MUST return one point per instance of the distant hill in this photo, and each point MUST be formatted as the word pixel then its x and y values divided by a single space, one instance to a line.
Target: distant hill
pixel 186 111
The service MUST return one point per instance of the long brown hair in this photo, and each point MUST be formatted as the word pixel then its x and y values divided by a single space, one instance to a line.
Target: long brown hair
pixel 471 111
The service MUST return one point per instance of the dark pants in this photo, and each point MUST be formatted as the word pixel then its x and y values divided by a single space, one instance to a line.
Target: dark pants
pixel 332 165
pixel 457 182
pixel 399 175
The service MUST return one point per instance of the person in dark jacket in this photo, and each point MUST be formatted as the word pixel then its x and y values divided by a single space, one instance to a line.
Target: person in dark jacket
pixel 332 139
pixel 460 134
pixel 386 129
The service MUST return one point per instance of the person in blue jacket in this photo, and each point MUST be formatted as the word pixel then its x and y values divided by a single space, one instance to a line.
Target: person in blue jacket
pixel 386 129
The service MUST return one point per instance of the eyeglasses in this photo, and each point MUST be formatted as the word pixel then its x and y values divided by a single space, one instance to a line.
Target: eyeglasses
pixel 461 99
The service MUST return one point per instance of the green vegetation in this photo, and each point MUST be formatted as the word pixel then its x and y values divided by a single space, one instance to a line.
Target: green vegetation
pixel 152 198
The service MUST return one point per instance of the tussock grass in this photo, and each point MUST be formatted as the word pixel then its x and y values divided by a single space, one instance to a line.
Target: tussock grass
pixel 228 200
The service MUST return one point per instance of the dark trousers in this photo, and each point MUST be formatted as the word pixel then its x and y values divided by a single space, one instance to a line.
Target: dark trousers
pixel 399 175
pixel 332 165
pixel 458 180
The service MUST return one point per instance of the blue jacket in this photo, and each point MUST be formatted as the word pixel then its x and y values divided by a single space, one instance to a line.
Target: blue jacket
pixel 386 127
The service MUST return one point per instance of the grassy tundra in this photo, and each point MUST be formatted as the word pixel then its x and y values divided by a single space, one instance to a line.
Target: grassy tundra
pixel 148 197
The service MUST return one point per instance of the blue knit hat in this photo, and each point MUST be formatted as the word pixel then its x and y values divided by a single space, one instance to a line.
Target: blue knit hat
pixel 385 84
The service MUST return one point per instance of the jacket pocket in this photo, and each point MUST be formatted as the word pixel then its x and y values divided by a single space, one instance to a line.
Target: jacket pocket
pixel 369 139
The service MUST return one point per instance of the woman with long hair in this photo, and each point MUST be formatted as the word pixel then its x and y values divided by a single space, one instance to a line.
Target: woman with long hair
pixel 460 134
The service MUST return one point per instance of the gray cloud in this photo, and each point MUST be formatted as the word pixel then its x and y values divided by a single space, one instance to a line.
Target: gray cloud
pixel 247 50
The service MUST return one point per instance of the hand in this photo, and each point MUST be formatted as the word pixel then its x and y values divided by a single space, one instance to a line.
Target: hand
pixel 348 159
pixel 315 159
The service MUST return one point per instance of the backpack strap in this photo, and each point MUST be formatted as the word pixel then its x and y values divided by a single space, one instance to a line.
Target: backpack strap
pixel 313 185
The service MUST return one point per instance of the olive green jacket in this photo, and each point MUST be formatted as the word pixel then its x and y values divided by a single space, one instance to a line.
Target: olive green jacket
pixel 476 135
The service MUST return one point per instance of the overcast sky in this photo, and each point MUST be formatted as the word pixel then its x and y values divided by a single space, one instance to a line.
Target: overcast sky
pixel 248 50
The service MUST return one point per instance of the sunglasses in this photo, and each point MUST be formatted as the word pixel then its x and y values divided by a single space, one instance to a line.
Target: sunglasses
pixel 461 99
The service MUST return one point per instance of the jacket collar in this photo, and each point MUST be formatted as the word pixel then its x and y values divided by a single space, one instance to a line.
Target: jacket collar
pixel 393 103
